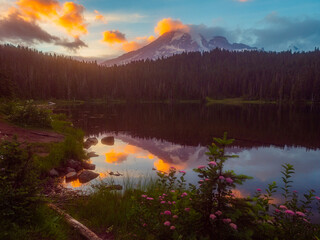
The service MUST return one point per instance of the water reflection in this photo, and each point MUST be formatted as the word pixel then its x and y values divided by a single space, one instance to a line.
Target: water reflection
pixel 160 136
pixel 195 124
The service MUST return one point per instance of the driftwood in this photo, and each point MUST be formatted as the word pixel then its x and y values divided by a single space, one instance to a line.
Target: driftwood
pixel 83 230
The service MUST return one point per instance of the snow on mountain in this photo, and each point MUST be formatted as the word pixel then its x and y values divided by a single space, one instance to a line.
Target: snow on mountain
pixel 176 42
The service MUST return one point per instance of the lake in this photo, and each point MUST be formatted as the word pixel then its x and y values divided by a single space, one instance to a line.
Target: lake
pixel 162 135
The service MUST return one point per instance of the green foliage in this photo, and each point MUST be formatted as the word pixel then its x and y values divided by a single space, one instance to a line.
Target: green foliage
pixel 70 148
pixel 7 87
pixel 44 224
pixel 27 114
pixel 18 186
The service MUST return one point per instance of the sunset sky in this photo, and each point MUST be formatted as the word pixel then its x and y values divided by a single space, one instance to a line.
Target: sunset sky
pixel 104 29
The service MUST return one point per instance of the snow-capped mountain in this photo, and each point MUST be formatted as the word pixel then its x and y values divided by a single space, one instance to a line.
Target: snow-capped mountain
pixel 176 42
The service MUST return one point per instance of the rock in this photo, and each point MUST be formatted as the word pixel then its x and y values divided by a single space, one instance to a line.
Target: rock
pixel 114 187
pixel 69 170
pixel 86 176
pixel 74 164
pixel 92 154
pixel 71 176
pixel 89 142
pixel 88 166
pixel 108 140
pixel 117 174
pixel 62 170
pixel 53 173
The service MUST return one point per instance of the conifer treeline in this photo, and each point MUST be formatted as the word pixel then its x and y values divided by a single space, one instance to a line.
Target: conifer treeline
pixel 216 74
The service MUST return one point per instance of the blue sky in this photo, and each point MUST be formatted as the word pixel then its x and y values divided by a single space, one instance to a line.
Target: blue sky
pixel 272 24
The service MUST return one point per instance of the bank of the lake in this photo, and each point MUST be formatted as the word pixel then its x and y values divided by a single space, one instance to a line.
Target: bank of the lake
pixel 33 143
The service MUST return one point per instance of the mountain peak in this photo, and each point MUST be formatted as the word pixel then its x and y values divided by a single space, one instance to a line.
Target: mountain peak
pixel 176 42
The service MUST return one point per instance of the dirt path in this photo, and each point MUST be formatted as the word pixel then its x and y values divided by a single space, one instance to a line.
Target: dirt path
pixel 7 131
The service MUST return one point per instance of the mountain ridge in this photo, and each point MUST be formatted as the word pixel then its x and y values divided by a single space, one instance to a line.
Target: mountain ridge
pixel 176 42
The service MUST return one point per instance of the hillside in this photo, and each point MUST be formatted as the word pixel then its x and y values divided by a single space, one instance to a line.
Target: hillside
pixel 218 74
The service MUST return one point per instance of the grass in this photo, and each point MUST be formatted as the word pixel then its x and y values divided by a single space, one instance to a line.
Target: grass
pixel 45 224
pixel 109 209
pixel 236 101
pixel 70 148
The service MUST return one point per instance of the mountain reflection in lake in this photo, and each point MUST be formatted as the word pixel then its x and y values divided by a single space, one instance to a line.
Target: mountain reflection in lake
pixel 162 135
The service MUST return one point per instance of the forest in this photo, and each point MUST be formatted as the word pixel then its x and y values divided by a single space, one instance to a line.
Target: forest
pixel 219 74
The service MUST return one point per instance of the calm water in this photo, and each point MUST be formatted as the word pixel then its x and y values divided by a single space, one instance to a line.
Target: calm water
pixel 161 135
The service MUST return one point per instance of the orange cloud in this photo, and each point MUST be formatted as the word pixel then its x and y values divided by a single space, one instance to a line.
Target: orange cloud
pixel 99 17
pixel 115 157
pixel 114 36
pixel 72 19
pixel 168 25
pixel 68 15
pixel 134 45
pixel 37 9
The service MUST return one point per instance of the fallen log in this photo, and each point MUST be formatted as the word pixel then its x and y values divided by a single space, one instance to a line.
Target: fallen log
pixel 83 230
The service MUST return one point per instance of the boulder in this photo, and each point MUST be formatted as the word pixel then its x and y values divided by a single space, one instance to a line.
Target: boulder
pixel 92 154
pixel 53 173
pixel 89 142
pixel 86 176
pixel 71 176
pixel 74 164
pixel 108 140
pixel 69 170
pixel 88 166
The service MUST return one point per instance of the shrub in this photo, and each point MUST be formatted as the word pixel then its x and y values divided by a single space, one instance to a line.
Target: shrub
pixel 18 185
pixel 27 114
pixel 210 210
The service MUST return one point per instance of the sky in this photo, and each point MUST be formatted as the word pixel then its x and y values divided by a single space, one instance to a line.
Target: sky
pixel 102 29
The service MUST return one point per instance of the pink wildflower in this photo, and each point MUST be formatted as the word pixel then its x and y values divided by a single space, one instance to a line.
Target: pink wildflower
pixel 306 220
pixel 289 212
pixel 207 179
pixel 163 202
pixel 213 163
pixel 164 194
pixel 169 202
pixel 167 223
pixel 258 189
pixel 318 198
pixel 175 216
pixel 227 220
pixel 149 198
pixel 190 199
pixel 218 213
pixel 173 202
pixel 283 207
pixel 221 177
pixel 144 196
pixel 201 167
pixel 167 212
pixel 201 181
pixel 229 180
pixel 182 172
pixel 172 228
pixel 277 210
pixel 234 226
pixel 301 214
pixel 144 225
pixel 187 209
pixel 172 191
pixel 212 216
